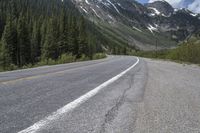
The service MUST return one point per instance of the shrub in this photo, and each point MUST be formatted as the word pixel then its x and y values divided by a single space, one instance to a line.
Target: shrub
pixel 99 56
pixel 83 58
pixel 12 67
pixel 66 58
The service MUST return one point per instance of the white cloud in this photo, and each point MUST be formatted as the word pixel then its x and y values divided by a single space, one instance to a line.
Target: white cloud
pixel 195 6
pixel 174 3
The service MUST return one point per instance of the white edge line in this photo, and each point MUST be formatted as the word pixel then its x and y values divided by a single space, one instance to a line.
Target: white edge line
pixel 69 107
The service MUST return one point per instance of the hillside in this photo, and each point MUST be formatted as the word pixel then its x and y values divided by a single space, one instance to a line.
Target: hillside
pixel 40 32
pixel 140 25
pixel 187 51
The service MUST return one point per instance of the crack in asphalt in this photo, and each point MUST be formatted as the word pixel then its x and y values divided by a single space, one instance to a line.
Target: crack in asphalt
pixel 137 82
pixel 110 115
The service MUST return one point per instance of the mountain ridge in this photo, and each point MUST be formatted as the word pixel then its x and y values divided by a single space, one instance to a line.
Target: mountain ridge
pixel 136 24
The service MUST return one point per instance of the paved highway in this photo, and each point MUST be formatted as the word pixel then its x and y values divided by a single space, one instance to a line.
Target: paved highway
pixel 119 94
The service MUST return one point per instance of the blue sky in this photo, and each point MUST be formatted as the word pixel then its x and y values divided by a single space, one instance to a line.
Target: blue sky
pixel 143 1
pixel 193 5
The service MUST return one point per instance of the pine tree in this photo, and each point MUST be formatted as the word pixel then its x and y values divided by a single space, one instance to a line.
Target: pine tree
pixel 1 26
pixel 72 38
pixel 125 51
pixel 24 49
pixel 1 57
pixel 43 31
pixel 35 43
pixel 9 43
pixel 83 44
pixel 91 47
pixel 49 50
pixel 63 34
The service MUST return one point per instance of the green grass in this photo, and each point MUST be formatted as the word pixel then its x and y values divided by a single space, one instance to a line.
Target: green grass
pixel 122 34
pixel 186 53
pixel 65 58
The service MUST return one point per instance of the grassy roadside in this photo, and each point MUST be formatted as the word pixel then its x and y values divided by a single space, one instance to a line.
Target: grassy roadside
pixel 186 53
pixel 65 58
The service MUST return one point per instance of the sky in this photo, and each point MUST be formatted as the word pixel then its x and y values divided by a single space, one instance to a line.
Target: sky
pixel 193 5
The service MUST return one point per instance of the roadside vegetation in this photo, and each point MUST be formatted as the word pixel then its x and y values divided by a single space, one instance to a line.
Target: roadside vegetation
pixel 186 52
pixel 65 58
pixel 47 32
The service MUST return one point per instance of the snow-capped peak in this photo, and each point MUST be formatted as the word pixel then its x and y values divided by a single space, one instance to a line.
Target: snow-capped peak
pixel 155 10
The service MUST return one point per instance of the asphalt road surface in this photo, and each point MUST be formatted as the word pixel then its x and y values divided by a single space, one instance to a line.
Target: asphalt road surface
pixel 119 94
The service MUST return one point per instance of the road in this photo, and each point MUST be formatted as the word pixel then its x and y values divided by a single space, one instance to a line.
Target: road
pixel 119 94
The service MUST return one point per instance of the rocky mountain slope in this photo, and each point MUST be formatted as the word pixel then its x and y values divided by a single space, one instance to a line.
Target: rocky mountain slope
pixel 141 26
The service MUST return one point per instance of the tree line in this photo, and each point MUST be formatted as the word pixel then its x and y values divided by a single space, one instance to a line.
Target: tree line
pixel 41 30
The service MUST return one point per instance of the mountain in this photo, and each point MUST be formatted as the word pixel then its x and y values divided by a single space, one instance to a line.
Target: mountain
pixel 35 32
pixel 160 8
pixel 140 26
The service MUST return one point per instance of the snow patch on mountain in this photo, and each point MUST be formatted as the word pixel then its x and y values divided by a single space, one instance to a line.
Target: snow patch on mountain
pixel 96 13
pixel 120 6
pixel 155 10
pixel 166 15
pixel 110 16
pixel 136 29
pixel 106 4
pixel 113 6
pixel 84 9
pixel 87 2
pixel 152 28
pixel 193 14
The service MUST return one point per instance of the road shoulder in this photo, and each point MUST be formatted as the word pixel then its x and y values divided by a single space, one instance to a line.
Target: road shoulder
pixel 171 101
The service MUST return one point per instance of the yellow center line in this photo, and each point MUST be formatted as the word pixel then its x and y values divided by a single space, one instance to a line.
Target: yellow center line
pixel 47 74
pixel 35 77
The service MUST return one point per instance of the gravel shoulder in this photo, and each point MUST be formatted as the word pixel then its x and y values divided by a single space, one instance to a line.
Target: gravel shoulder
pixel 171 100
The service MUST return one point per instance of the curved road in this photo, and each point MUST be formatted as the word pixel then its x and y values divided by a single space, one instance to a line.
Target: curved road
pixel 119 94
